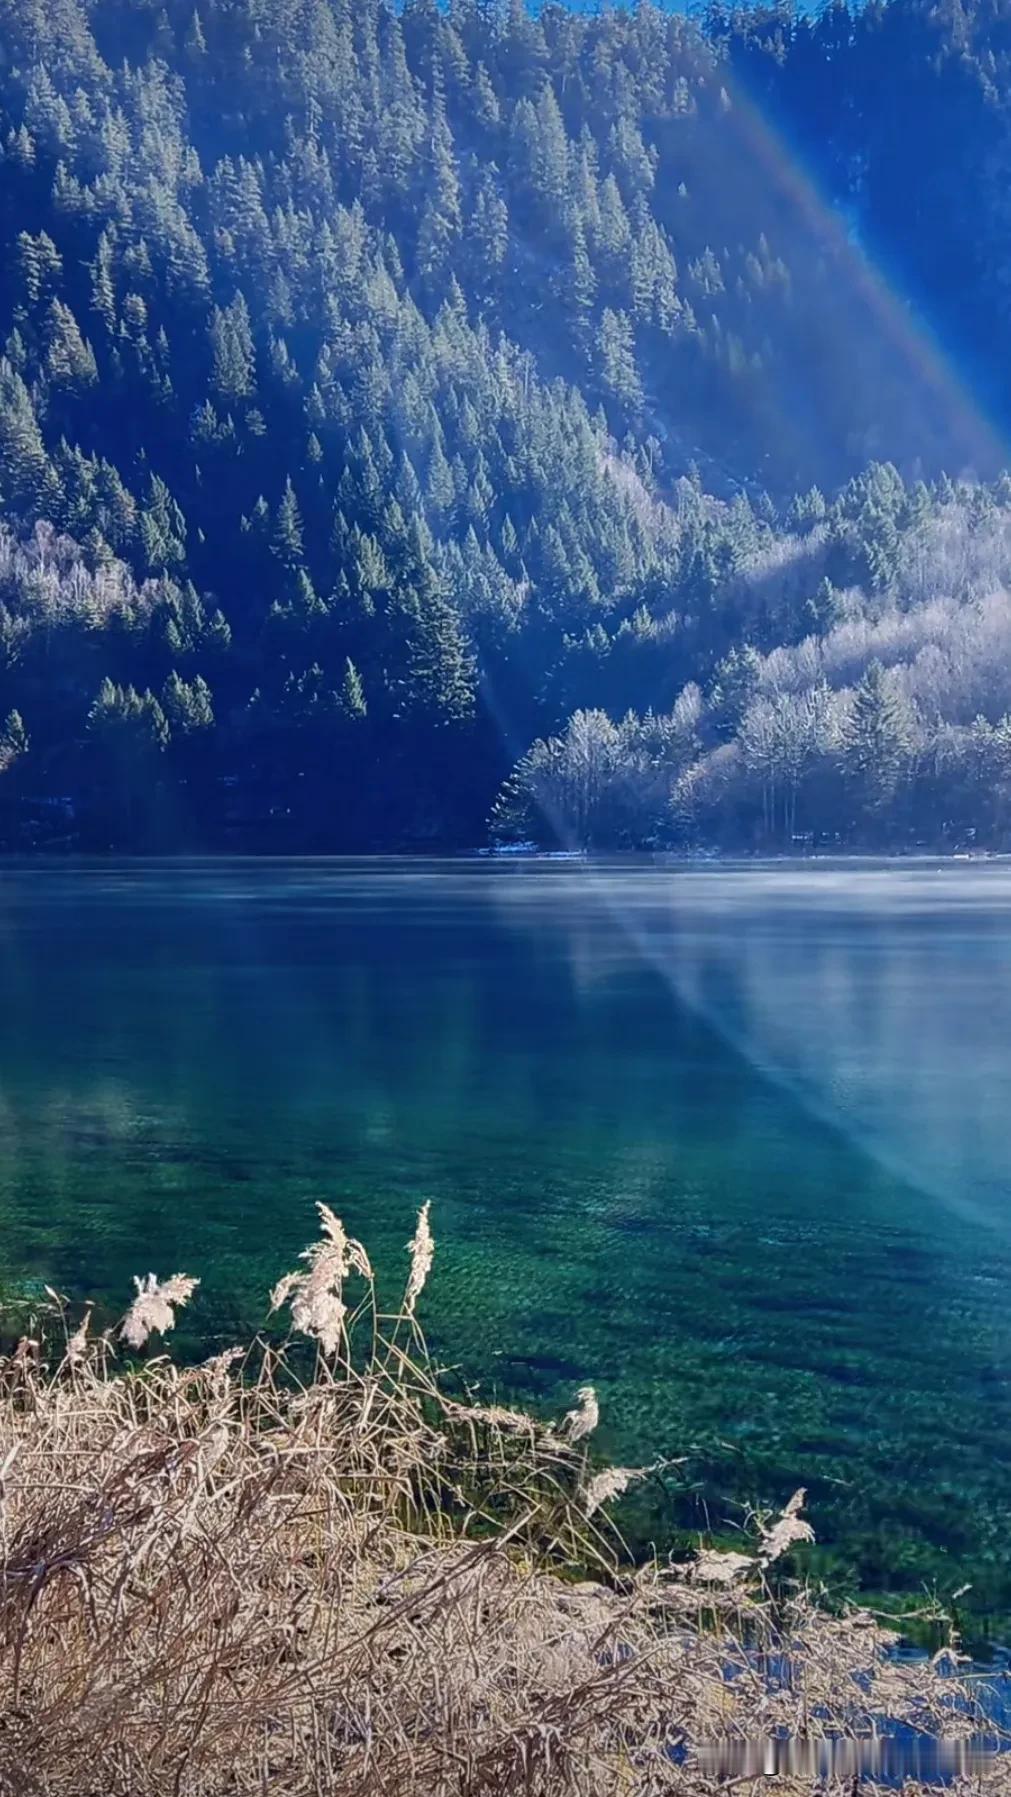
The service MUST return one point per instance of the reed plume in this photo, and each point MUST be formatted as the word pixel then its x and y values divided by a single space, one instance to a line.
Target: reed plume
pixel 315 1297
pixel 422 1251
pixel 582 1421
pixel 246 1579
pixel 609 1484
pixel 77 1343
pixel 786 1531
pixel 153 1309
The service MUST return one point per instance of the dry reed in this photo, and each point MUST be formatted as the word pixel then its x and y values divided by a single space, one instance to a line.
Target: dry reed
pixel 237 1578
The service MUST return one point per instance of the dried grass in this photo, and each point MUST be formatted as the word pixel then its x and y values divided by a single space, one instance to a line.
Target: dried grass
pixel 581 1422
pixel 153 1309
pixel 241 1578
pixel 422 1249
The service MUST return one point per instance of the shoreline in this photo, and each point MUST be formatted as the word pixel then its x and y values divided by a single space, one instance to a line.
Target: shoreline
pixel 249 1560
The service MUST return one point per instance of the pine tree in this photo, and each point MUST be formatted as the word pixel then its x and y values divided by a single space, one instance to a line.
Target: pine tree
pixel 234 358
pixel 613 233
pixel 824 608
pixel 127 722
pixel 484 100
pixel 879 738
pixel 40 266
pixel 217 634
pixel 352 692
pixel 14 741
pixel 306 608
pixel 103 291
pixel 28 479
pixel 70 361
pixel 440 663
pixel 195 44
pixel 578 287
pixel 162 528
pixel 287 541
pixel 441 215
pixel 619 370
pixel 187 704
pixel 551 170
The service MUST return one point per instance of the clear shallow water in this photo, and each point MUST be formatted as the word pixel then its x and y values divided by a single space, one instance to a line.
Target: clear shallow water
pixel 734 1144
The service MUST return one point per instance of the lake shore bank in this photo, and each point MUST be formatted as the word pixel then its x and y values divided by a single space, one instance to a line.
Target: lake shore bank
pixel 242 1576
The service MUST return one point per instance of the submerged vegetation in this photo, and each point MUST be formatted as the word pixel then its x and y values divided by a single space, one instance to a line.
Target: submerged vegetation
pixel 416 415
pixel 263 1574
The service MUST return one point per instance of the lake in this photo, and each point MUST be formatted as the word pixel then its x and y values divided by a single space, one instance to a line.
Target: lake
pixel 733 1143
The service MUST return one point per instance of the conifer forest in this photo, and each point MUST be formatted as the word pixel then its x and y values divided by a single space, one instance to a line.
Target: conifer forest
pixel 428 426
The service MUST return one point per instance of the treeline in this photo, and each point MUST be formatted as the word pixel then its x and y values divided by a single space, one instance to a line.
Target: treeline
pixel 887 724
pixel 383 389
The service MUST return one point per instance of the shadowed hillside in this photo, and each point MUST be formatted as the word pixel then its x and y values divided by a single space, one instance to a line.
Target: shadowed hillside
pixel 382 388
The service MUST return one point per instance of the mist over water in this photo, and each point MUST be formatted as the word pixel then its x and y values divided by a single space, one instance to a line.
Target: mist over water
pixel 729 1141
pixel 878 998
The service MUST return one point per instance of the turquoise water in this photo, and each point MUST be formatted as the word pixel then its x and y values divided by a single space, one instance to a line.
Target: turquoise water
pixel 731 1143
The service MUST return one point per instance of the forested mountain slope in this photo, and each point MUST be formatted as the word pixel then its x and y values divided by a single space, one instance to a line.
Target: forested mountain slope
pixel 384 392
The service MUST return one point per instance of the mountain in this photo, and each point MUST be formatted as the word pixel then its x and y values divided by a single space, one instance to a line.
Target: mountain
pixel 421 421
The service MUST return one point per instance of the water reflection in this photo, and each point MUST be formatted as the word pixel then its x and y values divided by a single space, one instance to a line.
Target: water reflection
pixel 729 1143
pixel 878 998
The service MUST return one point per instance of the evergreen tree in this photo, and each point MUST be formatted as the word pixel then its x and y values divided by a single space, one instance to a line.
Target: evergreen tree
pixel 27 480
pixel 440 671
pixel 14 741
pixel 234 370
pixel 619 371
pixel 194 43
pixel 187 705
pixel 70 361
pixel 162 528
pixel 127 722
pixel 352 692
pixel 879 739
pixel 441 216
pixel 287 540
pixel 40 267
